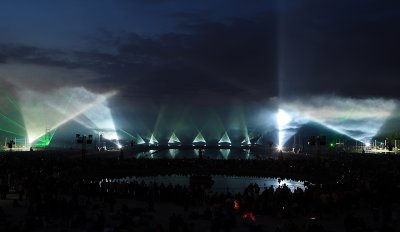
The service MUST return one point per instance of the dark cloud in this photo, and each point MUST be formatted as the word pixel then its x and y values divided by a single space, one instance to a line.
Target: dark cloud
pixel 35 55
pixel 234 59
pixel 205 60
pixel 149 2
pixel 343 47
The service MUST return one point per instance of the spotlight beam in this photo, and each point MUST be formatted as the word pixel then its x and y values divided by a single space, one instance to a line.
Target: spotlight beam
pixel 139 140
pixel 88 107
pixel 159 118
pixel 76 119
pixel 47 141
pixel 225 138
pixel 81 111
pixel 153 140
pixel 173 139
pixel 125 132
pixel 282 120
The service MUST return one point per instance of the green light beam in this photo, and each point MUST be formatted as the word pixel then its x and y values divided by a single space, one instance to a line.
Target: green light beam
pixel 45 140
pixel 12 121
pixel 10 132
pixel 14 104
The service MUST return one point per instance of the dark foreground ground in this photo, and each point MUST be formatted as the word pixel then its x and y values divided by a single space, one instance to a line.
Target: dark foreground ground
pixel 350 192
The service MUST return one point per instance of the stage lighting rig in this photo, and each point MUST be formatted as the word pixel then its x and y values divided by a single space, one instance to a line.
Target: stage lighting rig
pixel 84 139
pixel 317 141
pixel 10 144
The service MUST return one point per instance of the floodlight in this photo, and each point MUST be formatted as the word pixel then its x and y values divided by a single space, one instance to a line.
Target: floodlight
pixel 225 139
pixel 282 118
pixel 153 140
pixel 173 139
pixel 89 140
pixel 199 138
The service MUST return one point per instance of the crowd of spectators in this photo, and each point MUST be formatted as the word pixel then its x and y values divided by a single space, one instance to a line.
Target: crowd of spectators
pixel 67 194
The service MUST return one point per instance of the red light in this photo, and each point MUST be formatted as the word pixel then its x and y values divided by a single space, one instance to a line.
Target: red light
pixel 250 216
pixel 236 205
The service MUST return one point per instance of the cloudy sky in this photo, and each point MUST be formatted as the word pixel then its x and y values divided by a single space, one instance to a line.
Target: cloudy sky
pixel 219 53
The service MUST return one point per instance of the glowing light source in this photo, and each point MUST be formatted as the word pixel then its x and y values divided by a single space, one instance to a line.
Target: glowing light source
pixel 367 144
pixel 249 216
pixel 173 152
pixel 199 138
pixel 236 205
pixel 246 141
pixel 282 120
pixel 225 139
pixel 225 152
pixel 173 139
pixel 279 147
pixel 139 140
pixel 153 140
pixel 99 116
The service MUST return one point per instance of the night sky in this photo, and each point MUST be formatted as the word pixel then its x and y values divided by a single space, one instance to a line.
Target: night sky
pixel 226 56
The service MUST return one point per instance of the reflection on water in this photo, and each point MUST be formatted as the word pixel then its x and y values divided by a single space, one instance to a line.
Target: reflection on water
pixel 173 152
pixel 194 153
pixel 225 152
pixel 222 183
